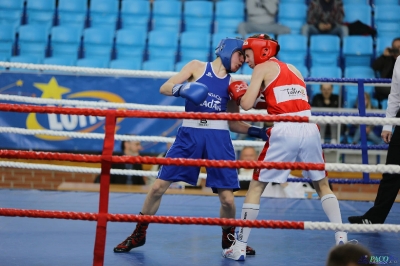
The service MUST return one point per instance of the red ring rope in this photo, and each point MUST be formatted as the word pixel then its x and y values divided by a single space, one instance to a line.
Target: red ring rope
pixel 152 219
pixel 152 114
pixel 12 154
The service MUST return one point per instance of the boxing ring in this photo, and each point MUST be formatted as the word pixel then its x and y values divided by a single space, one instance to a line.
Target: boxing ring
pixel 186 230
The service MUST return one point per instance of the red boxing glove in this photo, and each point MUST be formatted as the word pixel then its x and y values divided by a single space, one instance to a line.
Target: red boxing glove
pixel 236 90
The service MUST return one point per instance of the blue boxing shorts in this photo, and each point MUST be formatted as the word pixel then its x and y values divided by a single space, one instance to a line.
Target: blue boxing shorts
pixel 197 141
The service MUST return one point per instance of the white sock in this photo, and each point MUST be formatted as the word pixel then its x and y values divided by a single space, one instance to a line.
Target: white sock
pixel 249 212
pixel 330 204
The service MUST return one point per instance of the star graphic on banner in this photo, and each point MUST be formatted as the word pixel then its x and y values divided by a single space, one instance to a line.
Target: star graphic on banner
pixel 51 90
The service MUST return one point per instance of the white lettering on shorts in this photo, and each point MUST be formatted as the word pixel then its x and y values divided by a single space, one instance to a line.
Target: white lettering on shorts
pixel 290 92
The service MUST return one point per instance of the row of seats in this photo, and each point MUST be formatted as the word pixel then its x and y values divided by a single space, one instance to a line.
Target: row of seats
pixel 196 15
pixel 108 44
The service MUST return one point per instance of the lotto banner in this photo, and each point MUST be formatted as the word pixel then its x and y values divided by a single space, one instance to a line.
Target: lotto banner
pixel 85 88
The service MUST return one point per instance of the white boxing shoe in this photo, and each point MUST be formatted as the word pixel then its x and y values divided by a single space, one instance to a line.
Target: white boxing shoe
pixel 236 252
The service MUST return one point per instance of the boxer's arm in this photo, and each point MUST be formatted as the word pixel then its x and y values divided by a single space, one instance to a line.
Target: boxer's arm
pixel 253 90
pixel 236 126
pixel 182 76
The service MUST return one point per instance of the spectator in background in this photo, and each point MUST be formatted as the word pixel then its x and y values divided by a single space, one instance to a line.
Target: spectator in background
pixel 247 154
pixel 384 65
pixel 371 135
pixel 261 17
pixel 329 100
pixel 325 17
pixel 130 148
pixel 349 255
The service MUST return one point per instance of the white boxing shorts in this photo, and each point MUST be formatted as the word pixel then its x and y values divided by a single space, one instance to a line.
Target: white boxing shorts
pixel 291 142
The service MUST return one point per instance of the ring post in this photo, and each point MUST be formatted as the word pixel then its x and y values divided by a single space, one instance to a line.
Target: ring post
pixel 106 160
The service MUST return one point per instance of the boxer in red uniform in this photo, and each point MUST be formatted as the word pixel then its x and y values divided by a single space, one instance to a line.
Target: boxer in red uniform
pixel 284 91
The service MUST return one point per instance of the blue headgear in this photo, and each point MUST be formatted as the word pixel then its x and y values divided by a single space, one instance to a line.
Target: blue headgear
pixel 226 48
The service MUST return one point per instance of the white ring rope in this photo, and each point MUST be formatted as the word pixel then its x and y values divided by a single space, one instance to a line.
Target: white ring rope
pixel 336 167
pixel 24 131
pixel 312 119
pixel 92 104
pixel 365 228
pixel 138 73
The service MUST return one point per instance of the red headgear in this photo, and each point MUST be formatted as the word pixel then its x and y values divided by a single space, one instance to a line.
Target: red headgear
pixel 262 49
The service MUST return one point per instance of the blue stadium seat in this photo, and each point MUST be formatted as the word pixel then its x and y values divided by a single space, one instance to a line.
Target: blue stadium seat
pixel 387 13
pixel 135 13
pixel 162 44
pixel 62 61
pixel 354 12
pixel 293 49
pixel 33 41
pixel 324 50
pixel 386 2
pixel 351 91
pixel 130 44
pixel 167 9
pixel 293 16
pixel 65 41
pixel 195 46
pixel 41 12
pixel 72 13
pixel 158 65
pixel 11 12
pixel 355 2
pixel 166 24
pixel 198 15
pixel 225 25
pixel 126 64
pixel 25 59
pixel 303 70
pixel 357 50
pixel 359 72
pixel 104 14
pixel 200 55
pixel 229 10
pixel 325 72
pixel 92 62
pixel 98 42
pixel 181 64
pixel 8 5
pixel 387 29
pixel 7 38
pixel 382 42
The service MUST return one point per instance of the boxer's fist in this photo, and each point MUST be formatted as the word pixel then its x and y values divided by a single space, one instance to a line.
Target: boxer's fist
pixel 193 91
pixel 258 132
pixel 236 90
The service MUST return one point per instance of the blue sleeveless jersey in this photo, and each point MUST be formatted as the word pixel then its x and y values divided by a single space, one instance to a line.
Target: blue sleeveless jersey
pixel 218 96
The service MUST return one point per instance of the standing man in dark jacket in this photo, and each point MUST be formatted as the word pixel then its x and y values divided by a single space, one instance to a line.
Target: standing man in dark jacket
pixel 390 184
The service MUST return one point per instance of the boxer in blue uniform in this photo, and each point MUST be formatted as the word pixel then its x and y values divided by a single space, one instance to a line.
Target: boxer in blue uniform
pixel 204 85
